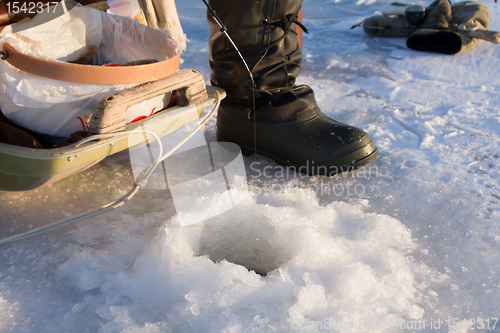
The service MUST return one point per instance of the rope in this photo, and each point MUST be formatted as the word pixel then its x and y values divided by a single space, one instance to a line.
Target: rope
pixel 121 201
pixel 148 9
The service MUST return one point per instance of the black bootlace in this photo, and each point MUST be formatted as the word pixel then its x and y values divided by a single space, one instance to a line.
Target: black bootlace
pixel 285 24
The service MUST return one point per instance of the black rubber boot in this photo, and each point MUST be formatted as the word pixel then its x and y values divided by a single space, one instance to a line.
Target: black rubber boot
pixel 286 124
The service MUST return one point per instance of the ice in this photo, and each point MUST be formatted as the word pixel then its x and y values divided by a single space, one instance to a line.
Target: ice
pixel 411 239
pixel 320 261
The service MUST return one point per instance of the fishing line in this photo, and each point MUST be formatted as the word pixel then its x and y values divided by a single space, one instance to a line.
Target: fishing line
pixel 223 30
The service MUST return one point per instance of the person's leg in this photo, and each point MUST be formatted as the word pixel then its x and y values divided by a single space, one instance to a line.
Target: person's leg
pixel 286 124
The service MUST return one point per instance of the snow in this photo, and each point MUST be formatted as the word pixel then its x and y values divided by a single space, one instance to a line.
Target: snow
pixel 410 240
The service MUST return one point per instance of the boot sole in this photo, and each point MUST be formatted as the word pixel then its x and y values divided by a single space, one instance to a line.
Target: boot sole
pixel 360 157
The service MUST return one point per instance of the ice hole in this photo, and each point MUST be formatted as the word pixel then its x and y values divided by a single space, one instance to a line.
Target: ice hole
pixel 249 242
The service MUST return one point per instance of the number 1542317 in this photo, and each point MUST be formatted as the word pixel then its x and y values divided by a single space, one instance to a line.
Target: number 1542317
pixel 17 7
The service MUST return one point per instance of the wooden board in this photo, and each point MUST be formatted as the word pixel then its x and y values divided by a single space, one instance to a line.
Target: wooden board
pixel 109 115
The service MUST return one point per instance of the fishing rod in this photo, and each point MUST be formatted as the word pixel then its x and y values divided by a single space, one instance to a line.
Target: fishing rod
pixel 223 30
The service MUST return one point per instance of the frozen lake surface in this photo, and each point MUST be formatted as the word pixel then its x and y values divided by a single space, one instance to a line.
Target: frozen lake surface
pixel 413 239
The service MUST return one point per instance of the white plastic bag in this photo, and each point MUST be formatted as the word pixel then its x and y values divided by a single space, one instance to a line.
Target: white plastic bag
pixel 58 108
pixel 128 8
